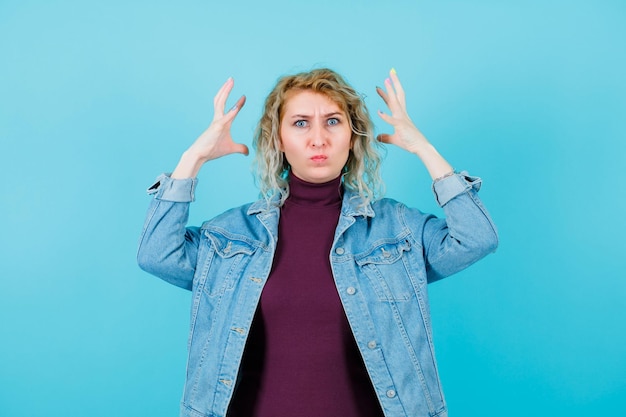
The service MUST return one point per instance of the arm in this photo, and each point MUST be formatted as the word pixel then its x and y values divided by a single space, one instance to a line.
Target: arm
pixel 167 248
pixel 467 233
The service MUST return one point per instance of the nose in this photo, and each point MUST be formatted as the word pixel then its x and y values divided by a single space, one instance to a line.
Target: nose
pixel 318 136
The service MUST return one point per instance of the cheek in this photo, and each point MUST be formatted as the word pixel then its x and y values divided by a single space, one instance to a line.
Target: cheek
pixel 349 143
pixel 281 147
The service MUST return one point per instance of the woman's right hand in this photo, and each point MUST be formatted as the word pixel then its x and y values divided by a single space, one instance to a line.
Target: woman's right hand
pixel 216 141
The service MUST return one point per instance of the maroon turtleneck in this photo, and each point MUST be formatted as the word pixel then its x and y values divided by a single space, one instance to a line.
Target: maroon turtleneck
pixel 301 358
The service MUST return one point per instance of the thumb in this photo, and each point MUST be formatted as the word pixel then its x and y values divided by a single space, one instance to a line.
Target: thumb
pixel 384 138
pixel 240 148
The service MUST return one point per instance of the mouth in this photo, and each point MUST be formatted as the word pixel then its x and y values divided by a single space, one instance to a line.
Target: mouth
pixel 319 158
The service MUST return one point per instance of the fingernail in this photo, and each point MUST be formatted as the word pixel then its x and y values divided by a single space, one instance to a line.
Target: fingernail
pixel 388 80
pixel 378 88
pixel 393 70
pixel 235 107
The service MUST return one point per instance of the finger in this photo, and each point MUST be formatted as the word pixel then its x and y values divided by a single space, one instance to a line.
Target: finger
pixel 385 117
pixel 222 97
pixel 232 113
pixel 218 94
pixel 397 86
pixel 239 104
pixel 382 94
pixel 219 102
pixel 222 87
pixel 392 99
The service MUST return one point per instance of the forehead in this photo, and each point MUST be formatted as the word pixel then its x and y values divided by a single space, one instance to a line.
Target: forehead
pixel 298 101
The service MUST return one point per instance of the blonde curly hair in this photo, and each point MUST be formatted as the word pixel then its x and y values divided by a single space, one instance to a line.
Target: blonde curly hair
pixel 362 170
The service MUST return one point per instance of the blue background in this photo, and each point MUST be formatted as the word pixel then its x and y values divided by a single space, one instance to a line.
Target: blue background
pixel 96 99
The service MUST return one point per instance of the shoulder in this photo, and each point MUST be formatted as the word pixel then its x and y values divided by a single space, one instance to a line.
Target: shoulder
pixel 245 222
pixel 390 209
pixel 395 215
pixel 232 217
pixel 385 204
pixel 249 226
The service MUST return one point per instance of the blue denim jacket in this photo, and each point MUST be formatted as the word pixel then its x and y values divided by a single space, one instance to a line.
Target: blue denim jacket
pixel 382 257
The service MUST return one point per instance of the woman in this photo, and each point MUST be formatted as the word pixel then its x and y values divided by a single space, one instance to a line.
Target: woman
pixel 312 301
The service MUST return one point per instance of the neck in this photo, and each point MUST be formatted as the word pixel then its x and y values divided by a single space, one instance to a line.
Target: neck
pixel 315 194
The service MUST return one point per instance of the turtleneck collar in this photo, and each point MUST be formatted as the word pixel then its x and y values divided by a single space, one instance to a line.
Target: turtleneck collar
pixel 303 193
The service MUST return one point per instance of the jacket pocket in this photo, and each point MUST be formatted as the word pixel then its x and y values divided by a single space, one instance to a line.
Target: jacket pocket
pixel 386 266
pixel 230 254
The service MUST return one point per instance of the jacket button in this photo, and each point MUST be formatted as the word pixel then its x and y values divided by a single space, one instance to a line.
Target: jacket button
pixel 391 393
pixel 351 290
pixel 371 344
pixel 340 251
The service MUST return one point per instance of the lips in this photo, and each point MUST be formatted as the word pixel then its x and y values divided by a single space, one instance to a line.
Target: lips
pixel 319 158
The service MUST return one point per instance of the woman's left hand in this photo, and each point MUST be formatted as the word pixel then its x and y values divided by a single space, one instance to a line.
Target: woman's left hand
pixel 405 134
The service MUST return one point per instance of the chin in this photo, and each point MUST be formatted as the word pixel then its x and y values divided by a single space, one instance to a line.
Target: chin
pixel 317 176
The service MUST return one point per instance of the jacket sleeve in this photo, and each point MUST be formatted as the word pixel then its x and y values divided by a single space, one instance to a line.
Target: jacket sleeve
pixel 467 233
pixel 167 248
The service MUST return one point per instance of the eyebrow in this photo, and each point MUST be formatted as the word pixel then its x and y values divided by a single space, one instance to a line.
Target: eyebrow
pixel 306 116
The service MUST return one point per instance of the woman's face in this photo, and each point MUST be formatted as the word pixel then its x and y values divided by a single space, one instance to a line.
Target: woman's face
pixel 315 136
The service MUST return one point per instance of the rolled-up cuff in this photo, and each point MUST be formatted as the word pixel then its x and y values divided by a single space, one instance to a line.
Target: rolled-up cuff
pixel 449 187
pixel 175 190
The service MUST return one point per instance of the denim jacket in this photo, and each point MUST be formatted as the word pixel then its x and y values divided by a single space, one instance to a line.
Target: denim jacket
pixel 382 257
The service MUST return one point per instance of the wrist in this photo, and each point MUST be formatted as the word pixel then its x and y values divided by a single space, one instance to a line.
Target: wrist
pixel 189 165
pixel 423 149
pixel 437 166
pixel 444 176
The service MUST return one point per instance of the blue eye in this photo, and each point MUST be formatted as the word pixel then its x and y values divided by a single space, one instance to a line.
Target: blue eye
pixel 300 123
pixel 333 121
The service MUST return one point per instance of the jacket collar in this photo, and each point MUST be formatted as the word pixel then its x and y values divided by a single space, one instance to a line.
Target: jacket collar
pixel 351 205
pixel 263 205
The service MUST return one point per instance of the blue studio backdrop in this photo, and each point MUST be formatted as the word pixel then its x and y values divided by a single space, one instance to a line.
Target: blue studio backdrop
pixel 98 98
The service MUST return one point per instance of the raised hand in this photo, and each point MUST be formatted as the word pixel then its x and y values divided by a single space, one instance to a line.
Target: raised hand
pixel 405 134
pixel 216 141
